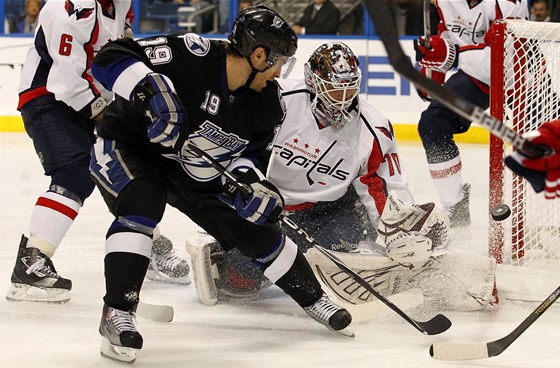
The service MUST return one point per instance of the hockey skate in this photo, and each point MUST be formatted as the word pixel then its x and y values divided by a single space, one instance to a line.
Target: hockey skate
pixel 460 215
pixel 34 278
pixel 120 339
pixel 165 265
pixel 214 278
pixel 332 316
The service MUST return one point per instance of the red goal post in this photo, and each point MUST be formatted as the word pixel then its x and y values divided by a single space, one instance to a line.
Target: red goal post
pixel 524 93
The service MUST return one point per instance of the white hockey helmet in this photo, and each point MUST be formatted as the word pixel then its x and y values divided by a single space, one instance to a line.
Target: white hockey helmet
pixel 333 76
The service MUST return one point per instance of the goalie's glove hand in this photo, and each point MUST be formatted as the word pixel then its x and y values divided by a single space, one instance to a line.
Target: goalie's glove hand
pixel 263 205
pixel 542 173
pixel 436 76
pixel 441 55
pixel 162 105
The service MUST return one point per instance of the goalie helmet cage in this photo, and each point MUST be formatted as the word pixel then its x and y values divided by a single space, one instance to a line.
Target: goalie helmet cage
pixel 525 83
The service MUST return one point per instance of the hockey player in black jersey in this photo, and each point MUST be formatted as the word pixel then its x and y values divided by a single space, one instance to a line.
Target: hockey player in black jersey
pixel 174 91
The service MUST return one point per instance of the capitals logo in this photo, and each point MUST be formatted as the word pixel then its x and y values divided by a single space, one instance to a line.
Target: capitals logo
pixel 80 13
pixel 196 44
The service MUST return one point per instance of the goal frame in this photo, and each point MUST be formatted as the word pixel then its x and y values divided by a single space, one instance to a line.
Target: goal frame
pixel 515 77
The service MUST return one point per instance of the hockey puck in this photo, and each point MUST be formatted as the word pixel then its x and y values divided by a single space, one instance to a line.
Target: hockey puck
pixel 500 212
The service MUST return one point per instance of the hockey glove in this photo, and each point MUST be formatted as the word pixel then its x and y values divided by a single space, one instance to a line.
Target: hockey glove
pixel 263 205
pixel 542 173
pixel 442 56
pixel 437 77
pixel 162 106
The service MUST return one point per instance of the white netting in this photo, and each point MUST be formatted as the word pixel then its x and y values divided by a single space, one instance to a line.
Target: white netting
pixel 524 94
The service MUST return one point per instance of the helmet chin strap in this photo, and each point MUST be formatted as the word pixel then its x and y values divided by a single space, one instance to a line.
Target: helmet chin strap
pixel 254 72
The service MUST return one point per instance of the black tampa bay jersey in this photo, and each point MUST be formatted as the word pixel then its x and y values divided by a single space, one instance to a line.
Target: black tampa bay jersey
pixel 227 125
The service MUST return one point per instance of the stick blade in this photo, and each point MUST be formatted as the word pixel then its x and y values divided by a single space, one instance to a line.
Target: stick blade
pixel 155 312
pixel 436 325
pixel 458 351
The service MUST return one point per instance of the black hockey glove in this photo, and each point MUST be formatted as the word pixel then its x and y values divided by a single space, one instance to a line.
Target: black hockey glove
pixel 162 105
pixel 263 205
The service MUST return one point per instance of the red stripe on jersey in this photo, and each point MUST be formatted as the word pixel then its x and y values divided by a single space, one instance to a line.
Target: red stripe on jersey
pixel 483 86
pixel 27 96
pixel 130 16
pixel 377 188
pixel 499 14
pixel 57 206
pixel 88 48
pixel 299 206
pixel 440 174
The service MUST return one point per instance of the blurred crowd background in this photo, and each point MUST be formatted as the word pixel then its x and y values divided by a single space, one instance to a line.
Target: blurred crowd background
pixel 309 17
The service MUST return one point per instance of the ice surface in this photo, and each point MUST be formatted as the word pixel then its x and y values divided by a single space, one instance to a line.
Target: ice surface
pixel 270 332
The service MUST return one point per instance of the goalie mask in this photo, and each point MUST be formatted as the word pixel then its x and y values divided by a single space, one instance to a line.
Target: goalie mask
pixel 333 76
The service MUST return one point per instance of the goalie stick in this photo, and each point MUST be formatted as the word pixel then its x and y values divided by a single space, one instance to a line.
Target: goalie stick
pixel 459 351
pixel 434 326
pixel 380 14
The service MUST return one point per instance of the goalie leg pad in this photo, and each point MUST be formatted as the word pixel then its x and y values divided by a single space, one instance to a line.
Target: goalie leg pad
pixel 221 276
pixel 203 274
pixel 453 281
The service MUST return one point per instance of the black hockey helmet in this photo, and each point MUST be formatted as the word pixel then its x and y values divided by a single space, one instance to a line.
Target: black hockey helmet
pixel 261 26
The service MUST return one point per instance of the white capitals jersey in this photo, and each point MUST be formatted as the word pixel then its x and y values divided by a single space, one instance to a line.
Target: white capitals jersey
pixel 313 164
pixel 466 23
pixel 68 35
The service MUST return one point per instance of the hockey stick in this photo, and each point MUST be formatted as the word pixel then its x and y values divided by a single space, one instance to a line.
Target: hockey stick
pixel 458 351
pixel 155 312
pixel 427 30
pixel 434 326
pixel 380 14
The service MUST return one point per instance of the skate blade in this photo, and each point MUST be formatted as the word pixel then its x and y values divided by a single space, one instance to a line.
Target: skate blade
pixel 347 331
pixel 118 353
pixel 161 277
pixel 28 293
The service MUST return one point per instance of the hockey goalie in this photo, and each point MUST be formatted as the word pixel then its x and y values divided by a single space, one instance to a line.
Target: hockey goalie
pixel 410 252
pixel 334 159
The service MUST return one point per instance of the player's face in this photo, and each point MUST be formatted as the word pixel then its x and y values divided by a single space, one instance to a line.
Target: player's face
pixel 340 95
pixel 262 78
pixel 281 68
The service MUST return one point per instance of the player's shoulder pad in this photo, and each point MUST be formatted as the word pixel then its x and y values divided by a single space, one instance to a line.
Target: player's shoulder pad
pixel 371 113
pixel 292 85
pixel 196 44
pixel 515 9
pixel 82 9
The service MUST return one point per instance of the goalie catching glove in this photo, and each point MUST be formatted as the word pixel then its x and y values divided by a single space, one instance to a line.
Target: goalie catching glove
pixel 262 205
pixel 542 173
pixel 156 96
pixel 441 56
pixel 411 233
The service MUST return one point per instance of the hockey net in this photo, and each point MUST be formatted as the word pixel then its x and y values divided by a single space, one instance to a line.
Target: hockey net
pixel 525 88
